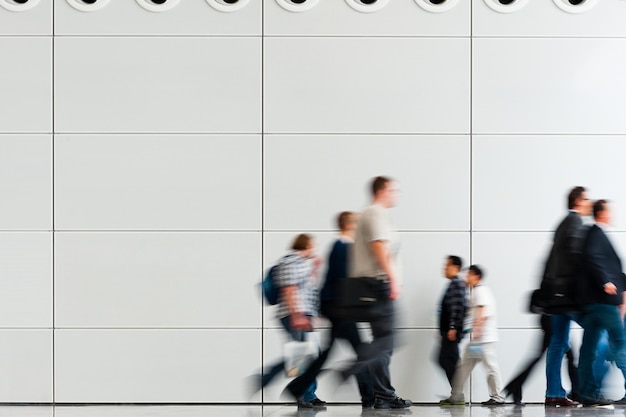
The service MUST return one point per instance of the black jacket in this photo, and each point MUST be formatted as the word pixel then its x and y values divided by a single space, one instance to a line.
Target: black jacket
pixel 601 265
pixel 559 283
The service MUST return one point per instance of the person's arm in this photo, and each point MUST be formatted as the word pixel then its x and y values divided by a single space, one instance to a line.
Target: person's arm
pixel 595 258
pixel 479 321
pixel 287 280
pixel 299 320
pixel 380 249
pixel 457 309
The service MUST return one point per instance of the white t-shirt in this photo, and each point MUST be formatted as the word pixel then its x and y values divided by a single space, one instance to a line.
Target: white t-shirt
pixel 374 224
pixel 483 297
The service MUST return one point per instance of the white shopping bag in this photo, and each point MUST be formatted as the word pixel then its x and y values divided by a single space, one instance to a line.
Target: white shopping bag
pixel 299 355
pixel 475 350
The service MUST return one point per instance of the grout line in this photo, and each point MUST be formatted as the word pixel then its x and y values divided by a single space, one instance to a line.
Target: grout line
pixel 262 350
pixel 53 213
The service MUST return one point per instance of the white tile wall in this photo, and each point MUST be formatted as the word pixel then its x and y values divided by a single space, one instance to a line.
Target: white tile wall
pixel 26 84
pixel 26 182
pixel 548 86
pixel 319 186
pixel 135 366
pixel 26 284
pixel 366 85
pixel 162 182
pixel 525 187
pixel 182 150
pixel 26 365
pixel 153 84
pixel 126 280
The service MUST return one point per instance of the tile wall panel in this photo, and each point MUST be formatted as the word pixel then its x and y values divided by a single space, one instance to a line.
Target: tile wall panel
pixel 26 85
pixel 152 84
pixel 26 182
pixel 148 182
pixel 137 366
pixel 548 86
pixel 26 284
pixel 366 85
pixel 525 187
pixel 26 366
pixel 321 186
pixel 152 279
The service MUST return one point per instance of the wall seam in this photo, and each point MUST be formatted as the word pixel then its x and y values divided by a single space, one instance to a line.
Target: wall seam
pixel 53 214
pixel 262 183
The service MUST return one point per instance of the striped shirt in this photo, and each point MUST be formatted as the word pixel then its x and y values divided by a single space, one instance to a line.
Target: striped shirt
pixel 296 270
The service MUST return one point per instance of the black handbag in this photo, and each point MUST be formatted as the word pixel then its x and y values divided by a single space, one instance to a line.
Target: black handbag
pixel 362 299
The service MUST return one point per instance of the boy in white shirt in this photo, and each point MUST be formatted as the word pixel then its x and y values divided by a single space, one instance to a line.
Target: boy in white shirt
pixel 482 347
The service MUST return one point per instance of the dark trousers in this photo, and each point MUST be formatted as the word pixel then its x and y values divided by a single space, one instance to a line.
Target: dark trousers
pixel 449 356
pixel 341 329
pixel 377 356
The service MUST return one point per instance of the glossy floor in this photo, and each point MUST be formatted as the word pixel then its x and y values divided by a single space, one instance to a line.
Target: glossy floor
pixel 531 410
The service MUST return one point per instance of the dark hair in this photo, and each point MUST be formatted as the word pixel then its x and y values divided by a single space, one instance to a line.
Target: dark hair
pixel 599 206
pixel 575 194
pixel 476 270
pixel 342 219
pixel 379 183
pixel 302 242
pixel 455 260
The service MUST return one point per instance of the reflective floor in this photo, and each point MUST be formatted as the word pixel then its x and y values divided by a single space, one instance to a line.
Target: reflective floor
pixel 534 410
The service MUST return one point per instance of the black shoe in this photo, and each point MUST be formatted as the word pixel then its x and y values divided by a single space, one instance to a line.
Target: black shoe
pixel 517 396
pixel 304 405
pixel 491 403
pixel 317 403
pixel 395 403
pixel 367 405
pixel 598 402
pixel 573 396
pixel 620 402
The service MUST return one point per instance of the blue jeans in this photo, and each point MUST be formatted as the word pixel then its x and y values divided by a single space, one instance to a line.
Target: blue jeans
pixel 559 344
pixel 599 317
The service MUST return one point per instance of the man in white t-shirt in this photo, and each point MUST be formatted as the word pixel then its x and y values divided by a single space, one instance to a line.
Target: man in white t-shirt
pixel 482 347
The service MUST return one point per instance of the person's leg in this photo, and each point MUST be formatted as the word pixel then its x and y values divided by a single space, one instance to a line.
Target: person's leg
pixel 449 357
pixel 514 387
pixel 461 375
pixel 559 343
pixel 309 392
pixel 592 323
pixel 490 362
pixel 349 331
pixel 380 358
pixel 617 338
pixel 600 365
